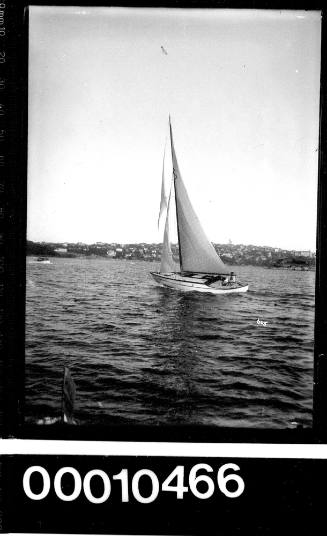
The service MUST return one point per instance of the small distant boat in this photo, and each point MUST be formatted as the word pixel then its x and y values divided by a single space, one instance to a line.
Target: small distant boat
pixel 200 268
pixel 43 260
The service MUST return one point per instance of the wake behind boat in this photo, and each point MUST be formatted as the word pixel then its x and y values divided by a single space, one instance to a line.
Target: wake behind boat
pixel 200 268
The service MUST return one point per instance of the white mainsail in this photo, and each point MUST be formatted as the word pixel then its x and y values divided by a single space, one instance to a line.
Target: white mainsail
pixel 197 253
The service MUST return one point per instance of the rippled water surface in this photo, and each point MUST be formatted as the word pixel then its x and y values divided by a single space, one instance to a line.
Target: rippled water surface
pixel 143 354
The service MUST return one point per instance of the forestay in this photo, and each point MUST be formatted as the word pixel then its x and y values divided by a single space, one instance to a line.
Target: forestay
pixel 167 262
pixel 165 189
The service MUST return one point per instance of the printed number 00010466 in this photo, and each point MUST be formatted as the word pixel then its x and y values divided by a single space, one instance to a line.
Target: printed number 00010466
pixel 201 485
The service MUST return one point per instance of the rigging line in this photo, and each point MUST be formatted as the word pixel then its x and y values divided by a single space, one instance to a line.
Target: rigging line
pixel 175 177
pixel 162 181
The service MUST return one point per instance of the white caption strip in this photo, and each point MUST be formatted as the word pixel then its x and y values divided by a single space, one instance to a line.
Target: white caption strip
pixel 126 448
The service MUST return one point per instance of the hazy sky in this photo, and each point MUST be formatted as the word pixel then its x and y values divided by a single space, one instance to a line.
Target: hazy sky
pixel 242 88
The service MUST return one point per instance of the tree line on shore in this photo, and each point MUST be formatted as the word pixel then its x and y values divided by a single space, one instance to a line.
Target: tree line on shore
pixel 234 254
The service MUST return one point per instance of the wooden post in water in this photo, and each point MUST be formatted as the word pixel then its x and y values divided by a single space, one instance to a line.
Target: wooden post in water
pixel 68 397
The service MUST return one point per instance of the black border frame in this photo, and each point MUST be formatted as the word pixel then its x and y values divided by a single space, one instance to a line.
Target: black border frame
pixel 15 194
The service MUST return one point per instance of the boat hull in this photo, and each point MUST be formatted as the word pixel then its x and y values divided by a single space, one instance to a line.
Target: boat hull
pixel 185 284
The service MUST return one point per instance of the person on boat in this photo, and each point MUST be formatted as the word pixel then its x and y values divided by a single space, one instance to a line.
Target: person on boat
pixel 232 278
pixel 225 281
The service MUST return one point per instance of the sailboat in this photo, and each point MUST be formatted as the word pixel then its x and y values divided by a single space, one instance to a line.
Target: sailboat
pixel 200 269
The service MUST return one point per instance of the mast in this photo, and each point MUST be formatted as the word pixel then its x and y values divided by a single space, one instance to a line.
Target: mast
pixel 175 176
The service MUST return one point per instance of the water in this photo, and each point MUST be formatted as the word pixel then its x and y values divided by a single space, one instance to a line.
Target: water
pixel 143 354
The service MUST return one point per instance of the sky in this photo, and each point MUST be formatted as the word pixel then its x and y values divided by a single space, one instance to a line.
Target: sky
pixel 242 89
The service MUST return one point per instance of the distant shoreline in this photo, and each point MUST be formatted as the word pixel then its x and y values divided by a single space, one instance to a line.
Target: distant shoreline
pixel 231 254
pixel 105 259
